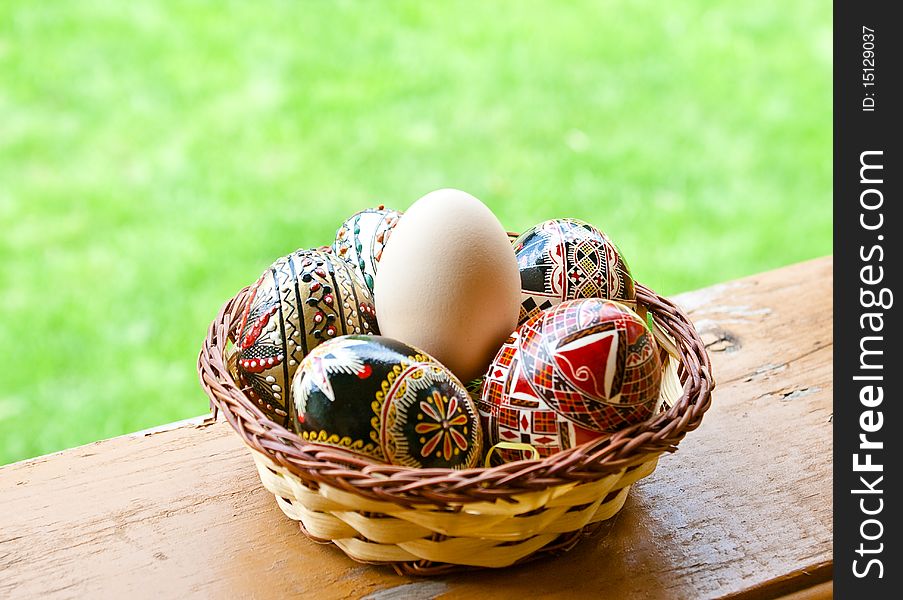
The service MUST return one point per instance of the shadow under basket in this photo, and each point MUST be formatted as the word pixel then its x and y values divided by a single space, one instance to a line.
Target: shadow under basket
pixel 433 521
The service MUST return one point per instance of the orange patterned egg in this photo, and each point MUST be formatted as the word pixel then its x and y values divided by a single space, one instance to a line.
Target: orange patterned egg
pixel 301 300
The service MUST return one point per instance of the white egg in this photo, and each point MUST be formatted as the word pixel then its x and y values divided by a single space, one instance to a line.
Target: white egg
pixel 448 282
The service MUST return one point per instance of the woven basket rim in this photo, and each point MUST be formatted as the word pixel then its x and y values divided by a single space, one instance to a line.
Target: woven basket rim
pixel 318 464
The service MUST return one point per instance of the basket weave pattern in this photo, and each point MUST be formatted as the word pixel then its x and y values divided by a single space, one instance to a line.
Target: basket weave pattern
pixel 432 521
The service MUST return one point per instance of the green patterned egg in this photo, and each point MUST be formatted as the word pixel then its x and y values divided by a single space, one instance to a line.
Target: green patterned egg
pixel 361 239
pixel 386 401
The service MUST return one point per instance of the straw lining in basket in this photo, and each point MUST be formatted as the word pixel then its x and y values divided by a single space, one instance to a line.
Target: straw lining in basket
pixel 430 521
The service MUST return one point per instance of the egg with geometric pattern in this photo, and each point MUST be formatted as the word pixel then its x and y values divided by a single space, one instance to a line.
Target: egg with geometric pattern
pixel 566 259
pixel 578 370
pixel 386 401
pixel 300 301
pixel 361 238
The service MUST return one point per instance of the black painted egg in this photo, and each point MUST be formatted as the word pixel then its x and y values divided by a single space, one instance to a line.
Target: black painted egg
pixel 384 400
pixel 300 301
pixel 569 374
pixel 361 239
pixel 566 259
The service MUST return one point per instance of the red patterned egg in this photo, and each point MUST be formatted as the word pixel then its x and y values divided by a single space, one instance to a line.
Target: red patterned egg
pixel 568 375
pixel 566 259
pixel 301 300
pixel 361 239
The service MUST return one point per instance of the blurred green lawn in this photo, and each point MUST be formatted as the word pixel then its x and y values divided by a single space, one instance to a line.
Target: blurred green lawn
pixel 155 156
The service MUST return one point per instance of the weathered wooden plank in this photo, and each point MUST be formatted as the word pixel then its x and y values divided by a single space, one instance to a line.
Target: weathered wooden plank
pixel 788 585
pixel 822 591
pixel 745 501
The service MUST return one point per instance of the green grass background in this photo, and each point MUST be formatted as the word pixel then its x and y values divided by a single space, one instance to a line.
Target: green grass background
pixel 155 156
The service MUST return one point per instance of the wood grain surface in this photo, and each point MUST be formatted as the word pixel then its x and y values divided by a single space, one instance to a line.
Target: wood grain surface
pixel 742 510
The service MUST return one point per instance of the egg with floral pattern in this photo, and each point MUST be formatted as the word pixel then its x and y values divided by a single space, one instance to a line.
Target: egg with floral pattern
pixel 567 259
pixel 386 401
pixel 300 301
pixel 574 372
pixel 361 239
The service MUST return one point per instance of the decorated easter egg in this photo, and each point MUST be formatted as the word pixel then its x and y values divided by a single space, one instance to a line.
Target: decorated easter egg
pixel 361 238
pixel 448 282
pixel 566 259
pixel 384 400
pixel 570 374
pixel 300 301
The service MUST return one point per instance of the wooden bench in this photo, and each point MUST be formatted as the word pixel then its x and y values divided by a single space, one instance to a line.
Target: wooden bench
pixel 742 510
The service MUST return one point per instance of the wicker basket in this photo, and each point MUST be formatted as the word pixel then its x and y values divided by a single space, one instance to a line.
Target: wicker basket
pixel 432 521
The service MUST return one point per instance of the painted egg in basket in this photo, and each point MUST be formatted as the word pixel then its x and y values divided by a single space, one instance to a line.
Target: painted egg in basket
pixel 569 374
pixel 566 259
pixel 362 237
pixel 384 400
pixel 300 301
